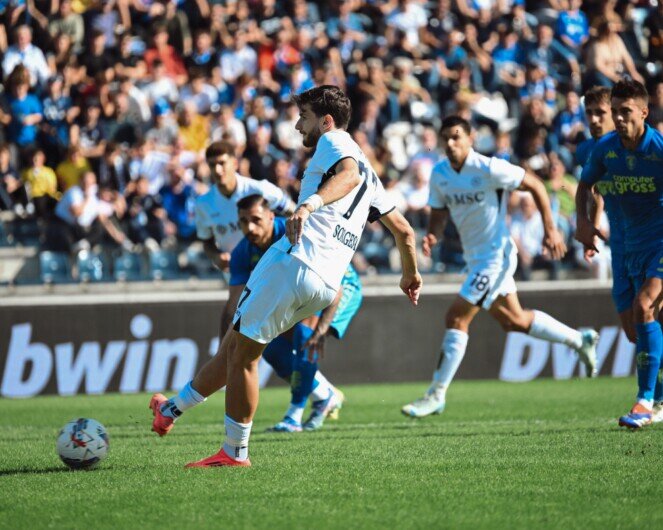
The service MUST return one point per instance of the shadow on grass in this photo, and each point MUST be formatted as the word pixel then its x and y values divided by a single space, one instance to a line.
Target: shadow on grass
pixel 47 470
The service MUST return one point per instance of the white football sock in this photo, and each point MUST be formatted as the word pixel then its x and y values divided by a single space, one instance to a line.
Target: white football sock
pixel 295 413
pixel 188 397
pixel 547 328
pixel 237 439
pixel 452 352
pixel 322 388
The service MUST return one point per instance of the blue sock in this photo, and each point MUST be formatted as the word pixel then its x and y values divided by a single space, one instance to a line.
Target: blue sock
pixel 650 349
pixel 658 389
pixel 303 375
pixel 280 355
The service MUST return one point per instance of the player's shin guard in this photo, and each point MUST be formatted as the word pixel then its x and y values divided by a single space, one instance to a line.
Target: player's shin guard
pixel 280 354
pixel 303 371
pixel 547 328
pixel 650 349
pixel 236 445
pixel 454 345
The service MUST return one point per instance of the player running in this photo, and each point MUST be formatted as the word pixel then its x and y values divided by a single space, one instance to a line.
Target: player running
pixel 473 189
pixel 301 273
pixel 628 164
pixel 597 111
pixel 261 230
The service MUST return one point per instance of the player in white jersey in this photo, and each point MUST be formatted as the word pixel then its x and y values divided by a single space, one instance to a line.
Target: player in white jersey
pixel 301 274
pixel 473 189
pixel 217 224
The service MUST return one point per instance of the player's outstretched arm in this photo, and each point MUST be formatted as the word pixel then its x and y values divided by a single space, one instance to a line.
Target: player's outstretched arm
pixel 552 239
pixel 436 224
pixel 402 231
pixel 345 179
pixel 587 231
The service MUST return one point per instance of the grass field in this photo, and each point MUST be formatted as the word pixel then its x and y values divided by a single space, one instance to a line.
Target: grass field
pixel 543 454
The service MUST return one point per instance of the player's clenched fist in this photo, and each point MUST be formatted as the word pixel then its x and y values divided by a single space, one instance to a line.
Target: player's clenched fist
pixel 295 225
pixel 411 286
pixel 428 243
pixel 554 242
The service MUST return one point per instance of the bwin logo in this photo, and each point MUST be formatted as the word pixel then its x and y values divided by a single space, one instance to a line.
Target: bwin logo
pixel 468 198
pixel 31 365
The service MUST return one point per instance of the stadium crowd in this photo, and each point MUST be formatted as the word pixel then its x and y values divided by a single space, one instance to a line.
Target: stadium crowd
pixel 108 105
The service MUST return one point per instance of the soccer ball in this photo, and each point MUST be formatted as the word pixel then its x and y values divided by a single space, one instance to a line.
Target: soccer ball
pixel 82 443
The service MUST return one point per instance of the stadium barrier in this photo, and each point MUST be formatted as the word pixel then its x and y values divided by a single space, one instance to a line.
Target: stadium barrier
pixel 149 342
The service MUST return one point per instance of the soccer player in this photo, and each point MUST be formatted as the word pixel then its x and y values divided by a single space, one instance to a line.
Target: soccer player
pixel 301 273
pixel 597 111
pixel 473 189
pixel 261 230
pixel 629 164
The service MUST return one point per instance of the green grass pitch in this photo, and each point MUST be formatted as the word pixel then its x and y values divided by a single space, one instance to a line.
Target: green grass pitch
pixel 546 454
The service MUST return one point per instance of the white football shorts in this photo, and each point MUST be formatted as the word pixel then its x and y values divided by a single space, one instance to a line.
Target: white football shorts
pixel 280 292
pixel 487 279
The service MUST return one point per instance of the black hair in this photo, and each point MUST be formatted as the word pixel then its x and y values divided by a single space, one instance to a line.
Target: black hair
pixel 217 149
pixel 327 99
pixel 629 88
pixel 250 201
pixel 456 121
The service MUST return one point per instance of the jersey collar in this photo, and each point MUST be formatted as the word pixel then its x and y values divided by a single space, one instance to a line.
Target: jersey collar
pixel 645 141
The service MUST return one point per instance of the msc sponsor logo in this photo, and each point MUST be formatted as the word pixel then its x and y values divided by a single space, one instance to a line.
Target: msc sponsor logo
pixel 472 197
pixel 224 229
pixel 346 237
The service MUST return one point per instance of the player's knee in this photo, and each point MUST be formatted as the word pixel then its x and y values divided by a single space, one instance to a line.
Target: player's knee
pixel 643 309
pixel 456 322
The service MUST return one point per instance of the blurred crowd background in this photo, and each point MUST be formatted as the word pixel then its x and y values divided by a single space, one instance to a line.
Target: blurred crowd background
pixel 109 104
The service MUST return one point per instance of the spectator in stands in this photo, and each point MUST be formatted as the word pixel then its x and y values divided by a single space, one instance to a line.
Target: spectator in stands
pixel 113 170
pixel 13 195
pixel 79 223
pixel 177 198
pixel 164 133
pixel 69 23
pixel 161 86
pixel 572 28
pixel 24 110
pixel 89 134
pixel 199 92
pixel 193 128
pixel 42 185
pixel 145 216
pixel 654 25
pixel 569 129
pixel 59 115
pixel 655 118
pixel 98 59
pixel 527 232
pixel 61 54
pixel 163 51
pixel 262 154
pixel 25 53
pixel 608 59
pixel 204 56
pixel 561 188
pixel 71 169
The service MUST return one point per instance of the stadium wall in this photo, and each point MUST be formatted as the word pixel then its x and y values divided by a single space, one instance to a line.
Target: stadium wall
pixel 130 343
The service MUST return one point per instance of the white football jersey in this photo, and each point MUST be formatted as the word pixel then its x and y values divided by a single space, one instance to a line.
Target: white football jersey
pixel 477 201
pixel 331 234
pixel 216 214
